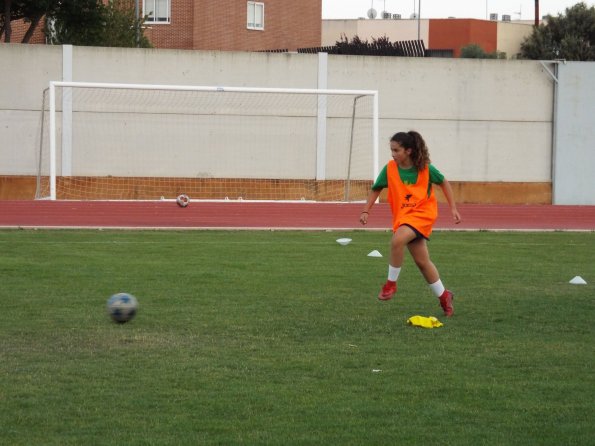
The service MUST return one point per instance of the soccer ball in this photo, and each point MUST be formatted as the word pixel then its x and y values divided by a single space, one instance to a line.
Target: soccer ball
pixel 122 307
pixel 183 200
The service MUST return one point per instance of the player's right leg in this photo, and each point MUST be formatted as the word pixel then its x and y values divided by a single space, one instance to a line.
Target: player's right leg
pixel 399 241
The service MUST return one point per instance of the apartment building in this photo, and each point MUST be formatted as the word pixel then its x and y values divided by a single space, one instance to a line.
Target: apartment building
pixel 235 25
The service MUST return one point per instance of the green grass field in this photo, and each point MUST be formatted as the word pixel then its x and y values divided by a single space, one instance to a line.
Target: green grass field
pixel 271 337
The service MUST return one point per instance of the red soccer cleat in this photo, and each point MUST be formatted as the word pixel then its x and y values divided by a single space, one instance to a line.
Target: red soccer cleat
pixel 446 303
pixel 388 290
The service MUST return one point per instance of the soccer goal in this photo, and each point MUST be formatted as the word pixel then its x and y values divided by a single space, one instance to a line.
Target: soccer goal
pixel 105 141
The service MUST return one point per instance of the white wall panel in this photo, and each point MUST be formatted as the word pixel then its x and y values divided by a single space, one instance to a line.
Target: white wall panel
pixel 574 159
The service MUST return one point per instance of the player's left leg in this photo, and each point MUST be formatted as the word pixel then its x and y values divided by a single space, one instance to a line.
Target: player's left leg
pixel 419 251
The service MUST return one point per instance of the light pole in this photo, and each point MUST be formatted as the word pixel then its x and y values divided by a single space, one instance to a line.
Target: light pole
pixel 137 22
pixel 418 18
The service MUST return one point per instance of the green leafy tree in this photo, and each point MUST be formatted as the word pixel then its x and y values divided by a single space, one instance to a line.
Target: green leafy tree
pixel 569 36
pixel 474 51
pixel 354 47
pixel 9 11
pixel 34 11
pixel 30 10
pixel 122 28
pixel 381 46
pixel 91 23
pixel 77 22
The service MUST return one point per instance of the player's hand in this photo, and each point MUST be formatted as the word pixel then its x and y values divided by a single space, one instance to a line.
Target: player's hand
pixel 363 218
pixel 456 216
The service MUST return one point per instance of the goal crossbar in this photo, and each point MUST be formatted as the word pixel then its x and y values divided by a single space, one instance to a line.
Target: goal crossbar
pixel 54 84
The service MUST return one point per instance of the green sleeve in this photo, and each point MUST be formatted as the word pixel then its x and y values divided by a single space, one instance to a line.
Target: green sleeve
pixel 436 176
pixel 382 180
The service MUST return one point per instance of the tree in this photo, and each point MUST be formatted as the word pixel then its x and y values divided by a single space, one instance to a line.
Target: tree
pixel 381 46
pixel 34 11
pixel 474 51
pixel 6 11
pixel 91 23
pixel 121 26
pixel 30 10
pixel 77 22
pixel 570 36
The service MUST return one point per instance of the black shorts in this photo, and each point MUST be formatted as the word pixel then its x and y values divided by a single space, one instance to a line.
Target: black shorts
pixel 418 234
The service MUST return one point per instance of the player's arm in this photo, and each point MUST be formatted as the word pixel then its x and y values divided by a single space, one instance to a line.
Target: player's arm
pixel 380 183
pixel 447 190
pixel 372 197
pixel 436 177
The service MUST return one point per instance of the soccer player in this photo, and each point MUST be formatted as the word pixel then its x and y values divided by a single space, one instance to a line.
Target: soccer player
pixel 409 178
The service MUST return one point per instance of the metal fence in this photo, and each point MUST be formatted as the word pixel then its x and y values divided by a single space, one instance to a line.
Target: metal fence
pixel 380 47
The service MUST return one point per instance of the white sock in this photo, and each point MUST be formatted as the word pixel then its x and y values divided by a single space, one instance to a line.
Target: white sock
pixel 393 273
pixel 437 288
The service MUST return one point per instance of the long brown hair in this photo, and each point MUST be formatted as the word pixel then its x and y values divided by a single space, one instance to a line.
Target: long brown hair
pixel 414 141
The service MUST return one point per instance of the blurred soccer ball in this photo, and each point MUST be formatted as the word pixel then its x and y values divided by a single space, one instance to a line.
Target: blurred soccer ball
pixel 122 307
pixel 183 200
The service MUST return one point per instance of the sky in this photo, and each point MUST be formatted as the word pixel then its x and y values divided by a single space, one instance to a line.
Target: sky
pixel 435 9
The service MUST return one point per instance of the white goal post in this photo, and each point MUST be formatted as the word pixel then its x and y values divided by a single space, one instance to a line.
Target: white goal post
pixel 113 141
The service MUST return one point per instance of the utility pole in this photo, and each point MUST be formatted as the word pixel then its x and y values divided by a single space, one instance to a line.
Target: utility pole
pixel 418 18
pixel 137 22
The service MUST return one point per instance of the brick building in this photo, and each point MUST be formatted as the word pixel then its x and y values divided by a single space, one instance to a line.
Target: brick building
pixel 236 25
pixel 19 29
pixel 437 34
pixel 458 33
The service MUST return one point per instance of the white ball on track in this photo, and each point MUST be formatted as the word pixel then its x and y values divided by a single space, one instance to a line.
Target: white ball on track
pixel 183 200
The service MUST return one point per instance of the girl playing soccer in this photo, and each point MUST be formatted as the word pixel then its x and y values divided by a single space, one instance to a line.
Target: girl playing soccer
pixel 409 178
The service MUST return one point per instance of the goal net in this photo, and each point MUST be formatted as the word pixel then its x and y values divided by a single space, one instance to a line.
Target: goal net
pixel 151 142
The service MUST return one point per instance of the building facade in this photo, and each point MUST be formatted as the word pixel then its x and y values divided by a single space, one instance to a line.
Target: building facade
pixel 225 25
pixel 267 25
pixel 437 34
pixel 19 29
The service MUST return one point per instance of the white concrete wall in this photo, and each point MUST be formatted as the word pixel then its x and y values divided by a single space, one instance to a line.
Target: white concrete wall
pixel 185 67
pixel 479 117
pixel 484 120
pixel 574 159
pixel 25 70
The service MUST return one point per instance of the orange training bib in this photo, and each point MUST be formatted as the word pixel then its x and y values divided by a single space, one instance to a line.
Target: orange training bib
pixel 410 203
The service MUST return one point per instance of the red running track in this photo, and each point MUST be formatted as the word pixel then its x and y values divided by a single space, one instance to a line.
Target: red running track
pixel 270 215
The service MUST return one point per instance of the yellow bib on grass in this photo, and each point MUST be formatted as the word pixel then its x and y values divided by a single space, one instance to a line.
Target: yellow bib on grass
pixel 425 322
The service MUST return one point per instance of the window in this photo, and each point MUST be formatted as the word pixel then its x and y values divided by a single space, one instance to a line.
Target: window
pixel 158 11
pixel 255 16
